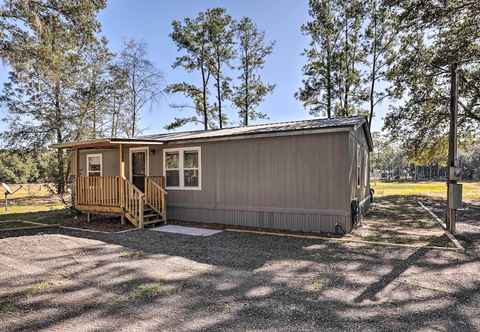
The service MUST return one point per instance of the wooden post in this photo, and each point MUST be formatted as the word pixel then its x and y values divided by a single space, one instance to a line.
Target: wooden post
pixel 77 176
pixel 140 222
pixel 121 186
pixel 121 161
pixel 452 146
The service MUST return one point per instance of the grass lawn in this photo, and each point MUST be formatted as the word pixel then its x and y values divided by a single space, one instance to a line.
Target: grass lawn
pixel 28 190
pixel 13 224
pixel 33 202
pixel 471 190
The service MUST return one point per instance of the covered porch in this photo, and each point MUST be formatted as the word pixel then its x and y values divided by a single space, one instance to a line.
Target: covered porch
pixel 114 176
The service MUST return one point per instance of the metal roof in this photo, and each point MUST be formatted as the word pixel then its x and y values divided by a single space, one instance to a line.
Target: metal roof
pixel 261 129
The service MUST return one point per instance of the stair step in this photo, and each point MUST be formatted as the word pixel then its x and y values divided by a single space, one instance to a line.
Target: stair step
pixel 150 222
pixel 151 215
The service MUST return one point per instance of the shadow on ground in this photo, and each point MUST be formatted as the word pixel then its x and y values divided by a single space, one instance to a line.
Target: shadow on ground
pixel 400 220
pixel 147 280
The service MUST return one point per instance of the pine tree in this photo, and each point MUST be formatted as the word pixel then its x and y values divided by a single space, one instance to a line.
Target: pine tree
pixel 42 41
pixel 318 93
pixel 379 40
pixel 252 50
pixel 220 35
pixel 192 38
pixel 432 39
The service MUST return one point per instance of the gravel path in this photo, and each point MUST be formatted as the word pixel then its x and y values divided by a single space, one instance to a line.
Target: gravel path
pixel 67 280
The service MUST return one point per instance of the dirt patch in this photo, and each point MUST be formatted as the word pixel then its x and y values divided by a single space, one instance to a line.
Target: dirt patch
pixel 64 279
pixel 99 223
pixel 400 220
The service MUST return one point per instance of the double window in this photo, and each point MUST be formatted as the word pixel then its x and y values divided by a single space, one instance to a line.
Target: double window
pixel 94 164
pixel 182 168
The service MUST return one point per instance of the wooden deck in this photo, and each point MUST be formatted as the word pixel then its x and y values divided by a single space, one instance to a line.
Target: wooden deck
pixel 117 195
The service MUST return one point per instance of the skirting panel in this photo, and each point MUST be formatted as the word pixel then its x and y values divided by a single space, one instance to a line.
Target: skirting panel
pixel 270 220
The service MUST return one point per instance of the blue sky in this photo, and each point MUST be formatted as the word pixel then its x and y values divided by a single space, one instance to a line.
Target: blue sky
pixel 150 21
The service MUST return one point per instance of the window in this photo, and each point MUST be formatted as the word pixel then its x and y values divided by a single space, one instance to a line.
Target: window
pixel 359 166
pixel 94 165
pixel 182 168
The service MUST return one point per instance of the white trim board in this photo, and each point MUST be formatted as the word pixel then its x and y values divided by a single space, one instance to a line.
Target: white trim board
pixel 181 167
pixel 94 155
pixel 147 160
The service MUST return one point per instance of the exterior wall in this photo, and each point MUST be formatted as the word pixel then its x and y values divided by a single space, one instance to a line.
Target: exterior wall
pixel 361 192
pixel 110 162
pixel 296 183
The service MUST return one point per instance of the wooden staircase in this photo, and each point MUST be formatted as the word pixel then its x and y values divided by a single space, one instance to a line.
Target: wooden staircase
pixel 151 217
pixel 117 195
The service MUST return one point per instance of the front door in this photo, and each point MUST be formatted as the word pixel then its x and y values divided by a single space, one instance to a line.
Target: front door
pixel 139 158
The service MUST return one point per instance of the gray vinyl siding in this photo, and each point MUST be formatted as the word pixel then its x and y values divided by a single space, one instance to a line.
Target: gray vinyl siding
pixel 109 161
pixel 298 183
pixel 359 192
pixel 294 183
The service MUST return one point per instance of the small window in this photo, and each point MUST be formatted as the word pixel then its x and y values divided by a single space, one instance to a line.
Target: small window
pixel 94 165
pixel 182 168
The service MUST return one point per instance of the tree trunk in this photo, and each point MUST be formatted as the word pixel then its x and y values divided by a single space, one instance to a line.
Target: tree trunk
pixel 346 88
pixel 374 68
pixel 246 88
pixel 329 82
pixel 219 94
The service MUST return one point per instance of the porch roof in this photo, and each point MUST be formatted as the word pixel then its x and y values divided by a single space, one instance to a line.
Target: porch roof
pixel 263 130
pixel 105 143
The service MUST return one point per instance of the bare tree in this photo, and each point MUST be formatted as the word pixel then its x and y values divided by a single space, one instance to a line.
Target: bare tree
pixel 144 81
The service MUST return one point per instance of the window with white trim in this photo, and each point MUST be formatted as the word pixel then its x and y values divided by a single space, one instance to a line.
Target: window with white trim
pixel 182 168
pixel 94 164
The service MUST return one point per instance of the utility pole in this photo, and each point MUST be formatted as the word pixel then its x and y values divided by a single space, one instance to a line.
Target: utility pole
pixel 452 150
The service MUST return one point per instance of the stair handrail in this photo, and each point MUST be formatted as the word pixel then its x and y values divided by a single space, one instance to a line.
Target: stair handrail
pixel 156 197
pixel 133 202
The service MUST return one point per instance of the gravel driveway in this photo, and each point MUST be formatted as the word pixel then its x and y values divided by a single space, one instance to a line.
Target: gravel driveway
pixel 65 280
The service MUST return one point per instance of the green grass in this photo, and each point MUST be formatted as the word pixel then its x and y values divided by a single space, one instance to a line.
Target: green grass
pixel 132 254
pixel 29 208
pixel 146 292
pixel 13 224
pixel 39 287
pixel 471 190
pixel 33 202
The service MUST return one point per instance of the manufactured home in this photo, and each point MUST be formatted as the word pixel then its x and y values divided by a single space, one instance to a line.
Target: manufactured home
pixel 308 176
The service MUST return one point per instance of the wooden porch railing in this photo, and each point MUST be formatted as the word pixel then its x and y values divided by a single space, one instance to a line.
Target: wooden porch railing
pixel 118 195
pixel 160 180
pixel 156 196
pixel 133 203
pixel 98 190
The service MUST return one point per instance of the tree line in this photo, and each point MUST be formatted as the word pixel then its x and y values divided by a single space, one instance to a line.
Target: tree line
pixel 212 45
pixel 390 161
pixel 364 52
pixel 66 84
